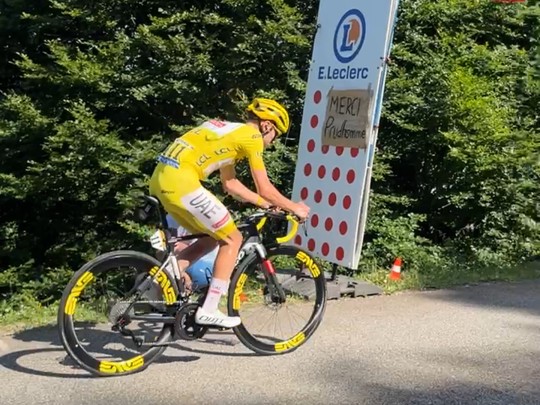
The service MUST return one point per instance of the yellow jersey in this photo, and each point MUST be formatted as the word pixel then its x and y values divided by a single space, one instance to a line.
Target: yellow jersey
pixel 213 145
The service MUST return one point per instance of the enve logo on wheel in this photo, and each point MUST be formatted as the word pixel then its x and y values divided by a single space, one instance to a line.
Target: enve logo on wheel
pixel 349 35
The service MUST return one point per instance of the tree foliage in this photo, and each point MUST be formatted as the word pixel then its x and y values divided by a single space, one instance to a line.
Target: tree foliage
pixel 462 123
pixel 90 91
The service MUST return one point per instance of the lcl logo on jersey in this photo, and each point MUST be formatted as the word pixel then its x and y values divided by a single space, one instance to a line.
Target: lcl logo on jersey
pixel 349 35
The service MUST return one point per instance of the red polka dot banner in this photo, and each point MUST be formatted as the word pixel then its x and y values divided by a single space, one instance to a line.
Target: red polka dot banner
pixel 349 53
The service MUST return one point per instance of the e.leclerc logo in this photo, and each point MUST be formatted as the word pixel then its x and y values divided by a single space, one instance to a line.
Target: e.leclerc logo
pixel 349 37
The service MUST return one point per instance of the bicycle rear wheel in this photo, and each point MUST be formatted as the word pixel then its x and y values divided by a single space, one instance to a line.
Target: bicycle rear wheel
pixel 270 326
pixel 98 295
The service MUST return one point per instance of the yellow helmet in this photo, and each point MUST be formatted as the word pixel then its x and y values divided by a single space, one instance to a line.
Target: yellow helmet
pixel 271 110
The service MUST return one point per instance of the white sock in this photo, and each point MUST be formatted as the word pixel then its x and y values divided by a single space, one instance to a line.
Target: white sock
pixel 217 289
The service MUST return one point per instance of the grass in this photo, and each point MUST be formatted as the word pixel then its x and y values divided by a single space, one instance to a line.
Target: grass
pixel 30 313
pixel 414 280
pixel 26 316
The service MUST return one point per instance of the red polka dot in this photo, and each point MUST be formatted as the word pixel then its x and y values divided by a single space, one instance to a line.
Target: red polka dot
pixel 351 176
pixel 317 97
pixel 347 201
pixel 304 193
pixel 325 249
pixel 311 145
pixel 343 228
pixel 328 224
pixel 355 152
pixel 335 174
pixel 311 244
pixel 324 149
pixel 322 171
pixel 298 240
pixel 332 199
pixel 314 220
pixel 318 196
pixel 340 253
pixel 339 150
pixel 307 169
pixel 314 121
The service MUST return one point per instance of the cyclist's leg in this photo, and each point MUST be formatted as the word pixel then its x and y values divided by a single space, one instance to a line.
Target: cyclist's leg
pixel 208 313
pixel 165 185
pixel 201 272
pixel 169 185
pixel 207 214
pixel 198 210
pixel 195 251
pixel 189 254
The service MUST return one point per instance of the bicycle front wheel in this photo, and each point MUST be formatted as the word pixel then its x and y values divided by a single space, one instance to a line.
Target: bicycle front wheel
pixel 274 324
pixel 105 324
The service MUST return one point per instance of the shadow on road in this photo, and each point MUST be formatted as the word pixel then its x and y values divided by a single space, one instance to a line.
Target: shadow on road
pixel 214 343
pixel 45 334
pixel 523 296
pixel 205 345
pixel 456 394
pixel 49 335
pixel 11 362
pixel 435 384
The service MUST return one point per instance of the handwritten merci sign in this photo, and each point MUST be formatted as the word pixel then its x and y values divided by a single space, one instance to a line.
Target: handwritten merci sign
pixel 348 118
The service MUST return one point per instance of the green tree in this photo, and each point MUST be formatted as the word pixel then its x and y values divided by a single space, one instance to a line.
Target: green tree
pixel 102 87
pixel 91 91
pixel 461 128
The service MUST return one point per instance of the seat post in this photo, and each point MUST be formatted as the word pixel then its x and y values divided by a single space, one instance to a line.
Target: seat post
pixel 162 216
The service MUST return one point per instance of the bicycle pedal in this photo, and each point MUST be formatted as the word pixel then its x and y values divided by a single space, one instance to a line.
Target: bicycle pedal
pixel 139 341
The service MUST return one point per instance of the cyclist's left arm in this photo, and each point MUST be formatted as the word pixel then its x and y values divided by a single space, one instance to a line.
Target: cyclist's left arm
pixel 234 187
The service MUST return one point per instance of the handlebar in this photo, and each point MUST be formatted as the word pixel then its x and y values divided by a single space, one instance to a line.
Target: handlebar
pixel 261 218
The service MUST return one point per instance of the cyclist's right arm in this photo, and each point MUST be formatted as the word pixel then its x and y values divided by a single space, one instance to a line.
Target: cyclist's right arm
pixel 253 147
pixel 270 193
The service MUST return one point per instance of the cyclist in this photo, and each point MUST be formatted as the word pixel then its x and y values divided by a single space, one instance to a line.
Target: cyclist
pixel 190 159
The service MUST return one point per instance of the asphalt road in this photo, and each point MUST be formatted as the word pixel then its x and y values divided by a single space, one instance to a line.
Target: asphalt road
pixel 470 345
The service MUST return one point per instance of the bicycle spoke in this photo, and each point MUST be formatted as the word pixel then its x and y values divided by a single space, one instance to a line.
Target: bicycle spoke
pixel 106 329
pixel 272 314
pixel 288 324
pixel 289 310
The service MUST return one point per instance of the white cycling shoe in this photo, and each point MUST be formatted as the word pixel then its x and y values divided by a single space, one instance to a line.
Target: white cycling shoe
pixel 216 318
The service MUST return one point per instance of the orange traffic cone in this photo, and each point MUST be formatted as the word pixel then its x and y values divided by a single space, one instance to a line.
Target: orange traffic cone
pixel 395 272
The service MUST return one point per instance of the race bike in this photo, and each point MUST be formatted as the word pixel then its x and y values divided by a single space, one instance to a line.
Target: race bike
pixel 121 310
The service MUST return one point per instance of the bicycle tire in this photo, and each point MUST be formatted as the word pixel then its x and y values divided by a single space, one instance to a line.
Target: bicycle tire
pixel 236 288
pixel 143 263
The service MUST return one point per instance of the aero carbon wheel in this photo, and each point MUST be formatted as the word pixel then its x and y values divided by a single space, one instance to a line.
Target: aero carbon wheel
pixel 271 324
pixel 105 325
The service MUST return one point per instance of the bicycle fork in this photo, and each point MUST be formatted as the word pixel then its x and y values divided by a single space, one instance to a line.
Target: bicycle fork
pixel 275 290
